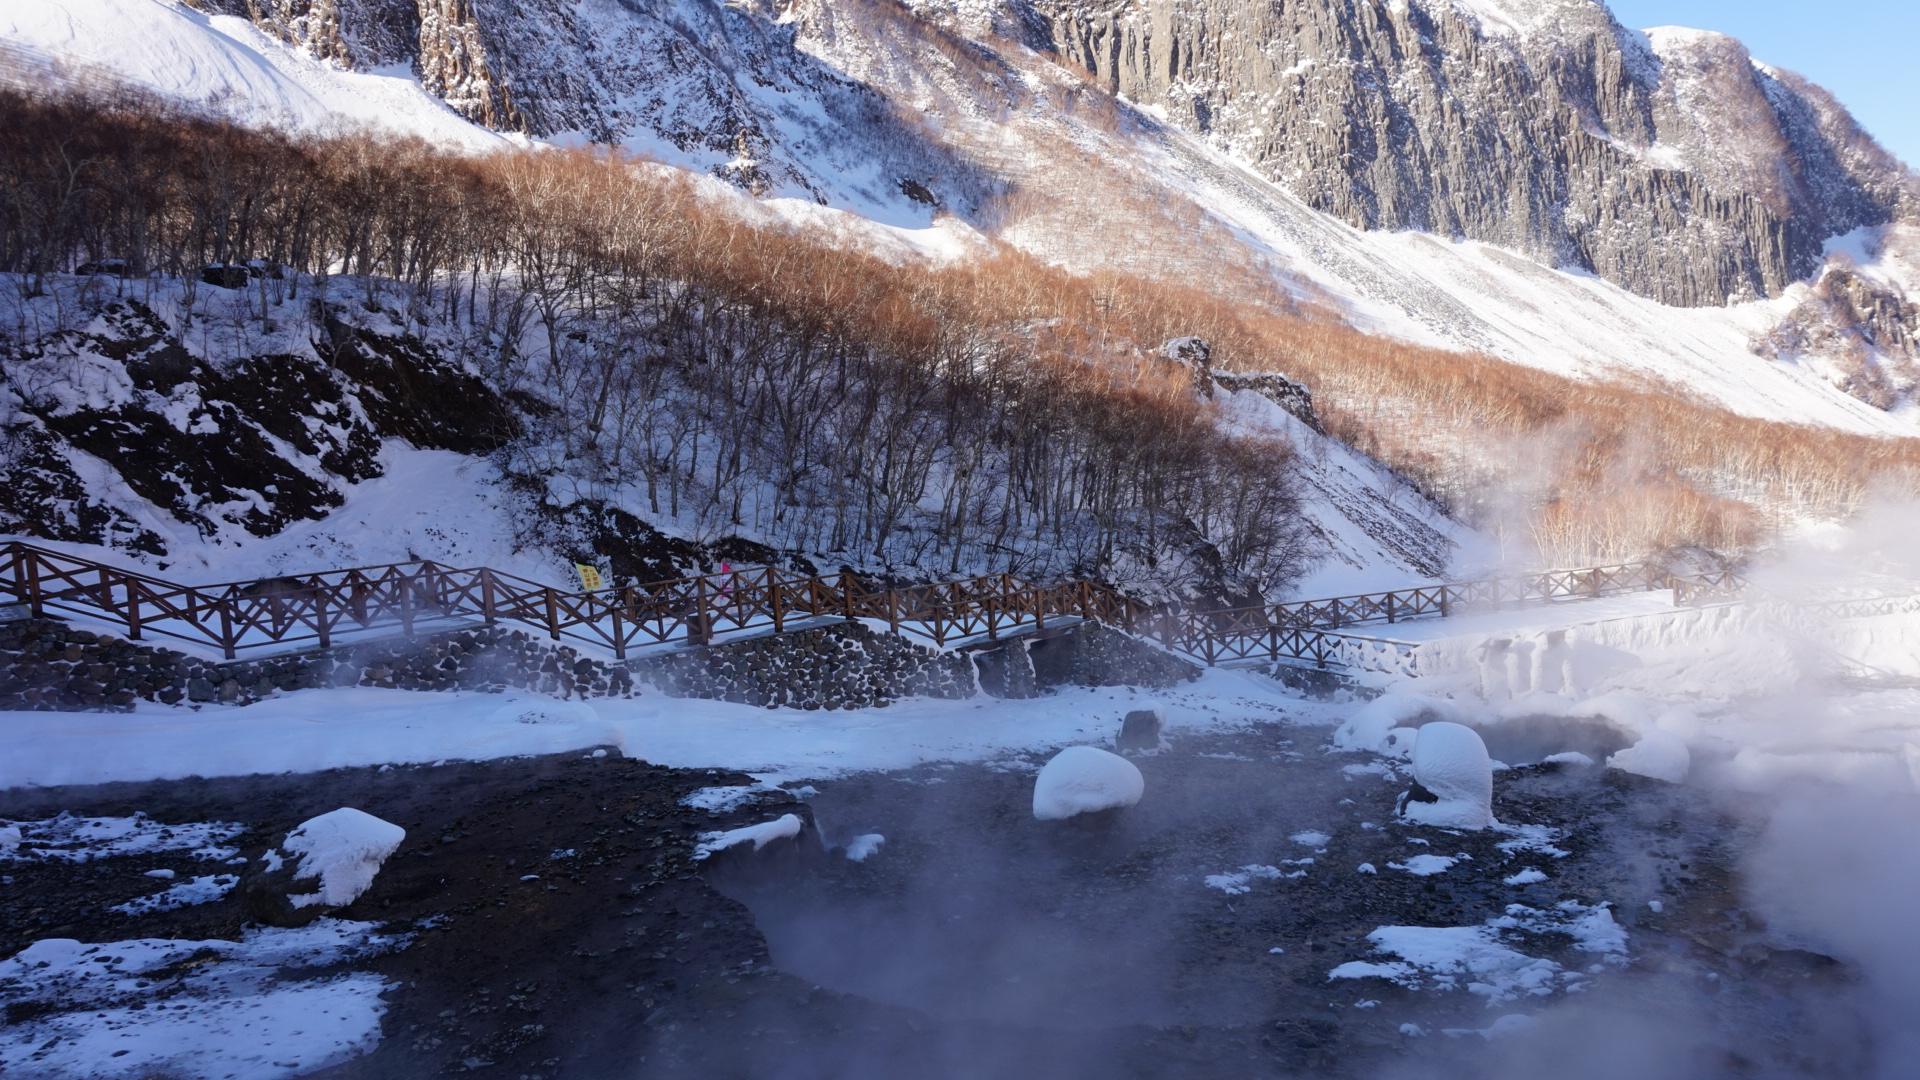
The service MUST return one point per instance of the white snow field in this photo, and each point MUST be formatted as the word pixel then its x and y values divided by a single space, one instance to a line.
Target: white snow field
pixel 324 729
pixel 1477 297
pixel 244 1009
pixel 1487 960
pixel 226 63
pixel 1085 780
pixel 70 838
pixel 342 850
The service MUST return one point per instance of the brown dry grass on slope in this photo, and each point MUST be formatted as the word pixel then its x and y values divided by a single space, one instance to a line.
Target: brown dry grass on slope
pixel 1587 469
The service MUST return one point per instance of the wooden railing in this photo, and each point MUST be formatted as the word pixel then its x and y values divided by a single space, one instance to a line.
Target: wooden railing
pixel 320 608
pixel 1708 587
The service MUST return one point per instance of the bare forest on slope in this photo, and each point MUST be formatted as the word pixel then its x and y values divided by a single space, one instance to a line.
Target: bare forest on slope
pixel 719 374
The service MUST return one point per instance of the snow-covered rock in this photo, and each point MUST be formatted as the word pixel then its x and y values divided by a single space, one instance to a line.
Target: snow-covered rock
pixel 784 827
pixel 1450 763
pixel 1380 724
pixel 1083 780
pixel 9 837
pixel 860 847
pixel 1661 755
pixel 342 850
pixel 328 862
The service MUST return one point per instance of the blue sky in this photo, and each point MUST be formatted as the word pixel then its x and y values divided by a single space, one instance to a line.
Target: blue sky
pixel 1866 51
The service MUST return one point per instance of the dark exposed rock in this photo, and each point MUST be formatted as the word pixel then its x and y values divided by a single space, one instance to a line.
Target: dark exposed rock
pixel 1007 671
pixel 841 666
pixel 1093 654
pixel 209 444
pixel 1140 730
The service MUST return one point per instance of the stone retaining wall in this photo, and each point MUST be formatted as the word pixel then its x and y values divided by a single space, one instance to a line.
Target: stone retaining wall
pixel 841 666
pixel 46 664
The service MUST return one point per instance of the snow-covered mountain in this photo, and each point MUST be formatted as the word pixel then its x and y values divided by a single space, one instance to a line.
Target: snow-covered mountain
pixel 1668 161
pixel 1525 178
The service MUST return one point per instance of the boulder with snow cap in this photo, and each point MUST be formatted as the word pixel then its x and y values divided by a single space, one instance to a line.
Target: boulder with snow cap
pixel 1085 780
pixel 324 863
pixel 1453 779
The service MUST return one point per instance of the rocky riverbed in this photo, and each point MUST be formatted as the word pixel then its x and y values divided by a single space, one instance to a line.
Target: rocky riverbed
pixel 550 917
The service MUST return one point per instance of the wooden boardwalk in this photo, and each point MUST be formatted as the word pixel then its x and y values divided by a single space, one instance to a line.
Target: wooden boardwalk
pixel 317 610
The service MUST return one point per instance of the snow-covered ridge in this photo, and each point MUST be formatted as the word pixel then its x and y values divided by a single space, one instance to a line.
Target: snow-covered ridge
pixel 223 62
pixel 1412 285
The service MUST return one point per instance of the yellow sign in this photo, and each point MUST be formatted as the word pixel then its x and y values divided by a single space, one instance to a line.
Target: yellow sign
pixel 590 578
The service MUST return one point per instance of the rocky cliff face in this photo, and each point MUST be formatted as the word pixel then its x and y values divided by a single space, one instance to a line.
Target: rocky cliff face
pixel 718 87
pixel 1668 162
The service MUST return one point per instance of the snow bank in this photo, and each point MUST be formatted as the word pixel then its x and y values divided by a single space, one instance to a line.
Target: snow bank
pixel 1373 726
pixel 1482 961
pixel 1085 779
pixel 1426 865
pixel 1452 957
pixel 725 799
pixel 70 838
pixel 343 728
pixel 1661 755
pixel 862 846
pixel 1240 882
pixel 198 890
pixel 784 827
pixel 343 849
pixel 1450 761
pixel 249 1008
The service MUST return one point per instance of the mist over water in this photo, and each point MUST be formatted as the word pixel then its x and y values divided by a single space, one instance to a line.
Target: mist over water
pixel 1766 899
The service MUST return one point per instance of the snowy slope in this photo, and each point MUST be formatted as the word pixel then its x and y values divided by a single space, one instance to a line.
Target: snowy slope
pixel 222 62
pixel 1415 286
pixel 1481 298
pixel 1020 118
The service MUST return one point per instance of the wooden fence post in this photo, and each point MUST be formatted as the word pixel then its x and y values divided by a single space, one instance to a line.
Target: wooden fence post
pixel 227 639
pixel 1390 606
pixel 30 578
pixel 133 608
pixel 619 635
pixel 773 601
pixel 893 609
pixel 699 631
pixel 406 605
pixel 486 596
pixel 320 618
